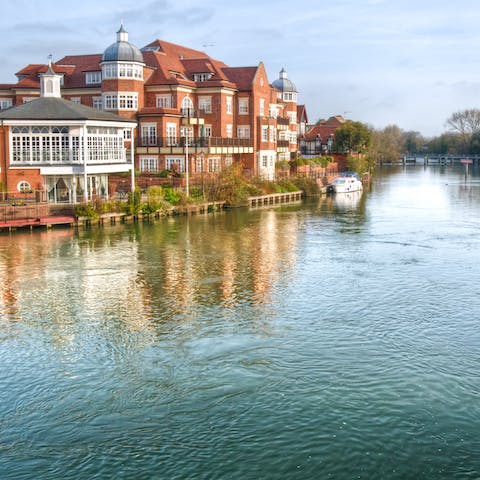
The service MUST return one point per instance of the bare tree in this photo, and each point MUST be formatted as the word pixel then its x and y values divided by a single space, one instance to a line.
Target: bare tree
pixel 465 122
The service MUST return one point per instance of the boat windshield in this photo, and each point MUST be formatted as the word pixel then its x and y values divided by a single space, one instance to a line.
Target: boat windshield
pixel 339 181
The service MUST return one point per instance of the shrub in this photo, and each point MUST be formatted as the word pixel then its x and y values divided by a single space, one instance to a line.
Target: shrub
pixel 307 185
pixel 85 210
pixel 172 195
pixel 134 202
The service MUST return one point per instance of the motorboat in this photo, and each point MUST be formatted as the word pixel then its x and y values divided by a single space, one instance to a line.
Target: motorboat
pixel 346 182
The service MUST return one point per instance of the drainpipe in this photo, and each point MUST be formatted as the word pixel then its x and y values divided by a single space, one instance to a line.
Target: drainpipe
pixel 85 147
pixel 4 164
pixel 132 153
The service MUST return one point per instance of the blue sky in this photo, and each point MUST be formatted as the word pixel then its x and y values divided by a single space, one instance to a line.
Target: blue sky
pixel 410 63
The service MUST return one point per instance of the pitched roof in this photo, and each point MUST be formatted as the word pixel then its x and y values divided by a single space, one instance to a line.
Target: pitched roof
pixel 302 113
pixel 51 108
pixel 242 76
pixel 75 66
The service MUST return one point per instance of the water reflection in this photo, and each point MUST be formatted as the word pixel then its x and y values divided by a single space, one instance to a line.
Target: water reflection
pixel 135 276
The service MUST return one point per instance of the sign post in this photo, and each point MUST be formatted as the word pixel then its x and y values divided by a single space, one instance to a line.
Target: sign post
pixel 466 162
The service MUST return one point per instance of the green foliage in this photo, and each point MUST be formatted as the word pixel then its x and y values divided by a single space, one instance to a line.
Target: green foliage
pixel 307 185
pixel 282 165
pixel 352 137
pixel 172 195
pixel 321 161
pixel 196 194
pixel 360 163
pixel 164 173
pixel 134 202
pixel 230 185
pixel 86 210
pixel 287 186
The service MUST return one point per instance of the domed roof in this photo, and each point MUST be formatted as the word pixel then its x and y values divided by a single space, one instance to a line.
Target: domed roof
pixel 122 50
pixel 283 83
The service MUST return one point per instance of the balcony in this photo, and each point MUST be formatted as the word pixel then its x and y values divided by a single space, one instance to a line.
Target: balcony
pixel 283 121
pixel 205 144
pixel 190 116
pixel 283 143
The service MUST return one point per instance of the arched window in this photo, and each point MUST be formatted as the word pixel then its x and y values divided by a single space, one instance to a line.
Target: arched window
pixel 49 86
pixel 24 187
pixel 187 107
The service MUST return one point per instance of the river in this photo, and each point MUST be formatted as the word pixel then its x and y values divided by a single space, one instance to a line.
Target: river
pixel 337 339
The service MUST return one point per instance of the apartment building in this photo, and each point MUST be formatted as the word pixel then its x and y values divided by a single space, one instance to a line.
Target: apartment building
pixel 191 111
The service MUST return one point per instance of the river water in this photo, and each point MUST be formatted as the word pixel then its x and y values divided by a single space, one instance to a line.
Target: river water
pixel 336 339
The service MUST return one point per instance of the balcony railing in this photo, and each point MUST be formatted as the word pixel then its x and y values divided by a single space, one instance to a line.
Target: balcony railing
pixel 283 143
pixel 194 142
pixel 283 121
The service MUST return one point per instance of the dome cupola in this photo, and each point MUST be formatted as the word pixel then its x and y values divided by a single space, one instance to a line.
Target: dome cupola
pixel 122 50
pixel 283 83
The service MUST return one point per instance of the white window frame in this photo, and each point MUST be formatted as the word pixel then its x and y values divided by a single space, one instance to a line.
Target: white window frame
pixel 205 104
pixel 164 101
pixel 149 164
pixel 5 103
pixel 207 130
pixel 93 78
pixel 228 105
pixel 213 164
pixel 98 103
pixel 180 161
pixel 229 130
pixel 23 186
pixel 243 131
pixel 262 107
pixel 171 131
pixel 187 107
pixel 120 101
pixel 76 100
pixel 201 77
pixel 243 106
pixel 122 70
pixel 148 133
pixel 264 134
pixel 272 134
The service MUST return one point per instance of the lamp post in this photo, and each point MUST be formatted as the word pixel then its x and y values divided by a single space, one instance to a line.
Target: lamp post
pixel 186 164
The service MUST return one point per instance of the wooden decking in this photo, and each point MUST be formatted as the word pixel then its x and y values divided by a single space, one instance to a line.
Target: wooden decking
pixel 274 198
pixel 31 223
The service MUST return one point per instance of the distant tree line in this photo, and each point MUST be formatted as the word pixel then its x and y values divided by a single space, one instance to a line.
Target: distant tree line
pixel 391 142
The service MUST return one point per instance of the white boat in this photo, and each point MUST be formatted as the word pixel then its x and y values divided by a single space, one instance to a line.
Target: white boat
pixel 346 182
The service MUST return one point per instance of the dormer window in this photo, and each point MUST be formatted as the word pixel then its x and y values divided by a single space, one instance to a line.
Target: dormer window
pixel 93 78
pixel 201 77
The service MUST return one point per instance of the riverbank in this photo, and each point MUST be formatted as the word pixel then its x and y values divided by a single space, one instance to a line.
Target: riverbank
pixel 112 218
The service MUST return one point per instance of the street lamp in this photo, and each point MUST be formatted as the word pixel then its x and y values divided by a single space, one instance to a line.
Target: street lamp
pixel 186 163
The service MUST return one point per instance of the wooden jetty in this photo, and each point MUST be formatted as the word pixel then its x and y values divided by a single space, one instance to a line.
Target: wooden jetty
pixel 274 199
pixel 42 222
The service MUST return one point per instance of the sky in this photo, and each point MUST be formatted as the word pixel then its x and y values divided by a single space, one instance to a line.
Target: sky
pixel 381 62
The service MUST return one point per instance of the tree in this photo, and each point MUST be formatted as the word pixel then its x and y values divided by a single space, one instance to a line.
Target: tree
pixel 386 144
pixel 413 142
pixel 467 124
pixel 352 137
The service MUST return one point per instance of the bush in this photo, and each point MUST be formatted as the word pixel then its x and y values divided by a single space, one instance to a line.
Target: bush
pixel 287 186
pixel 134 202
pixel 85 210
pixel 307 185
pixel 172 195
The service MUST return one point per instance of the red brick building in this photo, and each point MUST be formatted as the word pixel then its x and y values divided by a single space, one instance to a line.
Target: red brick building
pixel 193 113
pixel 61 151
pixel 318 139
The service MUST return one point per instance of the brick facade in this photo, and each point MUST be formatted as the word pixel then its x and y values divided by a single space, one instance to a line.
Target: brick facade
pixel 230 107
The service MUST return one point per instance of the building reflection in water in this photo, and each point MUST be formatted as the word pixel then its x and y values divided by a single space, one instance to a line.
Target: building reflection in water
pixel 146 277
